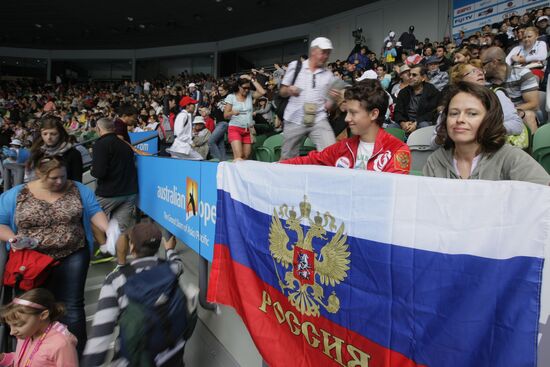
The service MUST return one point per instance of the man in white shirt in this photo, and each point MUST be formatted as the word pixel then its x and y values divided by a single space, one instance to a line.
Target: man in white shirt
pixel 305 114
pixel 183 131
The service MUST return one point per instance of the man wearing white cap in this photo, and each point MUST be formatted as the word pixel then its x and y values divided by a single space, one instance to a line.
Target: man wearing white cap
pixel 305 114
pixel 196 95
pixel 389 38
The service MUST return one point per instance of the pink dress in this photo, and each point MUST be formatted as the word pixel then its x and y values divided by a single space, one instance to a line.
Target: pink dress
pixel 57 349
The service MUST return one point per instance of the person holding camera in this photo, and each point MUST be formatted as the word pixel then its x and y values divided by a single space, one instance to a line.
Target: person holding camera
pixel 305 114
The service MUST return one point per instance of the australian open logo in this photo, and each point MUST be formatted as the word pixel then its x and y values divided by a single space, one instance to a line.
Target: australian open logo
pixel 191 198
pixel 309 260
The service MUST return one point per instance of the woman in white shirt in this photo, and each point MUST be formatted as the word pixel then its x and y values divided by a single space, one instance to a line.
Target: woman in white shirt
pixel 530 53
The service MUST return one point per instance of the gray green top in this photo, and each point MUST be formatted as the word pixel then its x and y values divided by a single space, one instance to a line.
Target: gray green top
pixel 508 163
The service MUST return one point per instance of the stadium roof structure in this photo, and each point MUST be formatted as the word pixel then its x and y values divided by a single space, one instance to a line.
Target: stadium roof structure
pixel 125 24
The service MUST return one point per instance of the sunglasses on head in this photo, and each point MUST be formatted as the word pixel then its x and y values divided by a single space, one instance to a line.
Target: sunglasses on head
pixel 51 158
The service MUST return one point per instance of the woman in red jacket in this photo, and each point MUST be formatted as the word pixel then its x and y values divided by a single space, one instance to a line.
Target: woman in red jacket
pixel 371 148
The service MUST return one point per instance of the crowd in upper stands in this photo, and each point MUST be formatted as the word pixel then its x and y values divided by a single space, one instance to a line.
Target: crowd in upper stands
pixel 415 73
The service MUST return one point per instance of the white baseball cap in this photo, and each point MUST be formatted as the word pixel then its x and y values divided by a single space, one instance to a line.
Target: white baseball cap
pixel 198 120
pixel 369 74
pixel 322 42
pixel 192 85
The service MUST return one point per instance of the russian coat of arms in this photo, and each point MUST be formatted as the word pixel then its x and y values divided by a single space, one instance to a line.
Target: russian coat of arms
pixel 313 259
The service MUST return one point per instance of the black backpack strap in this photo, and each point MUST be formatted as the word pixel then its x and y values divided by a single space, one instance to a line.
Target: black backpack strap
pixel 297 71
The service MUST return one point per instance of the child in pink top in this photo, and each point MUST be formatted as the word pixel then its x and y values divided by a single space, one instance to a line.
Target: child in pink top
pixel 41 341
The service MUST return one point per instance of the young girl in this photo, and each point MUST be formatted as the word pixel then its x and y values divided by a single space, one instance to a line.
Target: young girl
pixel 41 341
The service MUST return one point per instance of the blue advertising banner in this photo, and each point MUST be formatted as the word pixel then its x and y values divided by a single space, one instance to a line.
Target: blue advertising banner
pixel 149 146
pixel 181 196
pixel 471 15
pixel 207 208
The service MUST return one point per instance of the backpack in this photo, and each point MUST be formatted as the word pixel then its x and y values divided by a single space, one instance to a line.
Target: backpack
pixel 156 317
pixel 281 102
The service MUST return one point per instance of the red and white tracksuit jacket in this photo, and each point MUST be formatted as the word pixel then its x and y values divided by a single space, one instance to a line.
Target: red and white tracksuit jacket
pixel 390 155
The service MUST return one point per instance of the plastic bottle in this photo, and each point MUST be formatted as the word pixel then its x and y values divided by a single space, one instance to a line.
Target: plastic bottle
pixel 23 242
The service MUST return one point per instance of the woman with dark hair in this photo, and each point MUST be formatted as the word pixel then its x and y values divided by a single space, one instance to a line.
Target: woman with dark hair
pixel 238 109
pixel 473 137
pixel 216 143
pixel 58 214
pixel 54 141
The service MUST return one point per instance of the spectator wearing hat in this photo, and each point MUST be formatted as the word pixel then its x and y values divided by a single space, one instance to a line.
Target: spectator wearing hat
pixel 408 39
pixel 373 75
pixel 404 77
pixel 390 54
pixel 13 167
pixel 209 121
pixel 416 104
pixel 182 146
pixel 438 78
pixel 196 94
pixel 200 136
pixel 389 38
pixel 542 25
pixel 305 114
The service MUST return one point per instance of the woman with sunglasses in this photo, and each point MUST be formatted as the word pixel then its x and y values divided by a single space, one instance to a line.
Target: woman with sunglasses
pixel 57 213
pixel 238 109
pixel 473 72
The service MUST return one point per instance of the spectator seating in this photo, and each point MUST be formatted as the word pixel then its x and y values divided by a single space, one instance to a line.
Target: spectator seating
pixel 542 113
pixel 541 146
pixel 398 133
pixel 270 151
pixel 419 143
pixel 307 146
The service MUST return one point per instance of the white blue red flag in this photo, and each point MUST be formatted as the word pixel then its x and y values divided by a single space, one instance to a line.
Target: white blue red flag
pixel 333 267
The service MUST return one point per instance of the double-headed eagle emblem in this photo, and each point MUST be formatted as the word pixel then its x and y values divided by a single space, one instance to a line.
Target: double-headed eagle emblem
pixel 310 263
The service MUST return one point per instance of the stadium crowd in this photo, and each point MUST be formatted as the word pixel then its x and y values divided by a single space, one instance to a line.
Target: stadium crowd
pixel 484 93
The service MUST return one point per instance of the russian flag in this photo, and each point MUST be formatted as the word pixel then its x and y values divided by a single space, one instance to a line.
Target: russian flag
pixel 332 267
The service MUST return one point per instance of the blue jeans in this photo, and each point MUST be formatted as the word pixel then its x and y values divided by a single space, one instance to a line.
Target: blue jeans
pixel 216 142
pixel 67 281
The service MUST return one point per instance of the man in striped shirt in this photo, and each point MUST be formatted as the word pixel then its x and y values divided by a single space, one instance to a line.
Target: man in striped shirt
pixel 521 86
pixel 145 239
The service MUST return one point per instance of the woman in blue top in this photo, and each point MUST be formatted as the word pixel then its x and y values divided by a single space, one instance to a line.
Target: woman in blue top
pixel 238 109
pixel 58 214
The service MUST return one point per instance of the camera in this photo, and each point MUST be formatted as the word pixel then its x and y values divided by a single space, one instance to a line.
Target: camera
pixel 358 36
